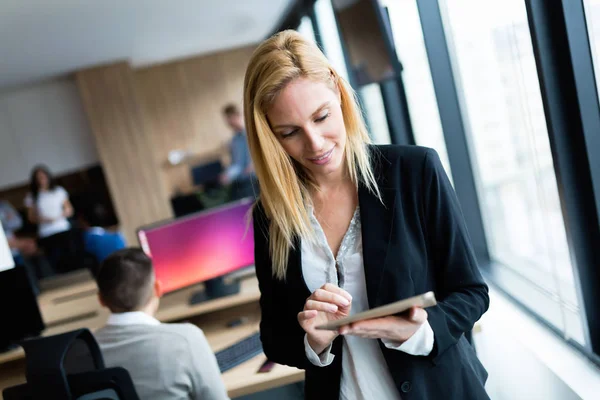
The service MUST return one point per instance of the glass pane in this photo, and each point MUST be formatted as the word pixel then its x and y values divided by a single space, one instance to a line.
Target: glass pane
pixel 372 103
pixel 592 16
pixel 306 28
pixel 330 37
pixel 495 70
pixel 420 94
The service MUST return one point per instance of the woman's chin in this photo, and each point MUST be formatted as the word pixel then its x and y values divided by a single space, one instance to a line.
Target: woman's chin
pixel 333 167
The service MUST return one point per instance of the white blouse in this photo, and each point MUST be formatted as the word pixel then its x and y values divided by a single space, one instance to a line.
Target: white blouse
pixel 50 205
pixel 365 374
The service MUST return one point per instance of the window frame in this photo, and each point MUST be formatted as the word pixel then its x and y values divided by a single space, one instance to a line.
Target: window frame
pixel 572 111
pixel 566 71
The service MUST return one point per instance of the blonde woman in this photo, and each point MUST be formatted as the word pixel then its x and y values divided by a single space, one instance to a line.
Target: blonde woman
pixel 343 226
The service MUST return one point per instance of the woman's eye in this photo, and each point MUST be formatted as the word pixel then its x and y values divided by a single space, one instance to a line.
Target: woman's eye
pixel 322 118
pixel 288 134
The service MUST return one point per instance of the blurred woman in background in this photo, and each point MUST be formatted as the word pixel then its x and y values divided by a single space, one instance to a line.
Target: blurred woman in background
pixel 49 207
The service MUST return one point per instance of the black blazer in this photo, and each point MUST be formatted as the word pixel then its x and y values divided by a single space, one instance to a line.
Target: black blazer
pixel 413 243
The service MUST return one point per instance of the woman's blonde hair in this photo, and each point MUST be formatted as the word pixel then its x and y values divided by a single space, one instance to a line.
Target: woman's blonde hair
pixel 284 186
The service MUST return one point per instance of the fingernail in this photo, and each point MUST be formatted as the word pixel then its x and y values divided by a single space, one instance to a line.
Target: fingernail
pixel 333 308
pixel 345 302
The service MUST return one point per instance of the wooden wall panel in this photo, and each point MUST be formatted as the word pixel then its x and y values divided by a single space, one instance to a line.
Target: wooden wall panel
pixel 125 145
pixel 139 116
pixel 182 103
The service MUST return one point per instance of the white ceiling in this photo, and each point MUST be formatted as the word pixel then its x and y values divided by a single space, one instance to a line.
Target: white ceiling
pixel 45 38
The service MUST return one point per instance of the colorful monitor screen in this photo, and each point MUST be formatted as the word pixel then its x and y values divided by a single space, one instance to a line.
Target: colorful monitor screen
pixel 199 247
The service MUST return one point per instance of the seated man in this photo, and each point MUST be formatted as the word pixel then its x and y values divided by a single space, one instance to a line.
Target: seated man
pixel 23 250
pixel 98 241
pixel 165 361
pixel 11 221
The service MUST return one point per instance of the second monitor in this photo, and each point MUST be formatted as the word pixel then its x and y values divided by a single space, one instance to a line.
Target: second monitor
pixel 202 247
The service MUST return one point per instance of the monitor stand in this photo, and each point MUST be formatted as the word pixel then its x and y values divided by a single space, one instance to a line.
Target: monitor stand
pixel 215 288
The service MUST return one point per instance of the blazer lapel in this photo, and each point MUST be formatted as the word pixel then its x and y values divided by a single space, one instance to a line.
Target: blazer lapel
pixel 376 226
pixel 295 277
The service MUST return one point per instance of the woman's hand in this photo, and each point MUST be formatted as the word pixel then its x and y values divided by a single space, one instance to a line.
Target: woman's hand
pixel 396 328
pixel 328 303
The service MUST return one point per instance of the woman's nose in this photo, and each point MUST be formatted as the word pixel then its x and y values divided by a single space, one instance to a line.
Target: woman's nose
pixel 314 140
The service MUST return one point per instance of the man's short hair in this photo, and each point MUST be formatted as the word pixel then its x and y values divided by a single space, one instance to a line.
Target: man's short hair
pixel 125 280
pixel 231 110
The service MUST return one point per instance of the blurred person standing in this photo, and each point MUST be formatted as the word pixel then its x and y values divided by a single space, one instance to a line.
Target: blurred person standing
pixel 240 173
pixel 49 207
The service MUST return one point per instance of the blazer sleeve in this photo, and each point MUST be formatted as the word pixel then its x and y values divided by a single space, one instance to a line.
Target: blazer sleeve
pixel 460 289
pixel 280 333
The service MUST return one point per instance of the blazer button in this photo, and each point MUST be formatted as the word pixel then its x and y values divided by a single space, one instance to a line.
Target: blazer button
pixel 406 387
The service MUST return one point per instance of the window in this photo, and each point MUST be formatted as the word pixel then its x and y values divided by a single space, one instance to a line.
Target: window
pixel 372 103
pixel 370 95
pixel 306 28
pixel 495 69
pixel 330 37
pixel 420 93
pixel 592 16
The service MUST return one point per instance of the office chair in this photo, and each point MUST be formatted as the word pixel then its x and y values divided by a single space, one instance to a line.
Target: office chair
pixel 70 366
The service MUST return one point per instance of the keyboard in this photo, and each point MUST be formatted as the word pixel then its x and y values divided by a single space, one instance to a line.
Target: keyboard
pixel 239 352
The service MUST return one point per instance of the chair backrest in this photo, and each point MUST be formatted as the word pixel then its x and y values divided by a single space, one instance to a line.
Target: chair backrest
pixel 70 366
pixel 110 383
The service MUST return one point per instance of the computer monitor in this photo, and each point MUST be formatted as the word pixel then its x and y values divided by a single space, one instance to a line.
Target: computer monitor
pixel 201 247
pixel 207 173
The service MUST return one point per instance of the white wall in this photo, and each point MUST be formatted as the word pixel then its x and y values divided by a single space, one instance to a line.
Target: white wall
pixel 43 123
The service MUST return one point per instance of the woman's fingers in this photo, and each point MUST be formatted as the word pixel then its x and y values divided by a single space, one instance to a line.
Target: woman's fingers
pixel 330 287
pixel 320 306
pixel 344 329
pixel 418 315
pixel 306 315
pixel 326 296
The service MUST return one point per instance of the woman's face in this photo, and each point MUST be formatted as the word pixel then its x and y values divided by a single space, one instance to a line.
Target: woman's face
pixel 307 119
pixel 42 180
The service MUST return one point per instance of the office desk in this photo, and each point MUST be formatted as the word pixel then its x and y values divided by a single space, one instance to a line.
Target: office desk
pixel 212 316
pixel 244 378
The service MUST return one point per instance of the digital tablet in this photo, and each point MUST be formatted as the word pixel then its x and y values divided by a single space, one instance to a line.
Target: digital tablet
pixel 423 300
